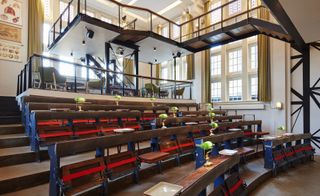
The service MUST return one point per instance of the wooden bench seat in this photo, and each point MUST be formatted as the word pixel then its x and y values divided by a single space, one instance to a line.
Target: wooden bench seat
pixel 243 151
pixel 153 157
pixel 81 176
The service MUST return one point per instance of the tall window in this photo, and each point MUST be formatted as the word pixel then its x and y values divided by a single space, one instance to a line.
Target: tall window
pixel 253 55
pixel 234 7
pixel 216 91
pixel 216 65
pixel 235 90
pixel 254 88
pixel 234 71
pixel 63 6
pixel 215 15
pixel 235 60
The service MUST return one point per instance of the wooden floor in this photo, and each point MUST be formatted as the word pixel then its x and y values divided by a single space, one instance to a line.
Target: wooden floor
pixel 301 180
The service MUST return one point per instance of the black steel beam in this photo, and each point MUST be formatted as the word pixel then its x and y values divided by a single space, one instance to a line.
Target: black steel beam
pixel 306 89
pixel 107 47
pixel 283 18
pixel 136 62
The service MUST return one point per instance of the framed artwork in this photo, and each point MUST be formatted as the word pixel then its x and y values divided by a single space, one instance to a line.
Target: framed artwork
pixel 10 33
pixel 11 11
pixel 10 52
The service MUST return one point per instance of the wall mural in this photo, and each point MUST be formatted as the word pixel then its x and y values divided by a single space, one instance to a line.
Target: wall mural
pixel 11 52
pixel 10 33
pixel 10 11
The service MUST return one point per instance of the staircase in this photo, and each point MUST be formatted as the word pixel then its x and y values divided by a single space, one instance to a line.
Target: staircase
pixel 9 111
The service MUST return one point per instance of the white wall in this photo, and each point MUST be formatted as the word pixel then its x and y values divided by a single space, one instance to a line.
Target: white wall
pixel 9 70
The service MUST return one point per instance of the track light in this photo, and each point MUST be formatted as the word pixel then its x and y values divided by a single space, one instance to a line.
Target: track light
pixel 90 33
pixel 154 49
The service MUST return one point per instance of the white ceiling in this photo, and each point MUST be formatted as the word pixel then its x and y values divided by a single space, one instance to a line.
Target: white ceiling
pixel 305 15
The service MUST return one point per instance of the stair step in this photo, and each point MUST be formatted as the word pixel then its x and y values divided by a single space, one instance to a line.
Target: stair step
pixel 39 190
pixel 13 140
pixel 10 119
pixel 11 129
pixel 19 155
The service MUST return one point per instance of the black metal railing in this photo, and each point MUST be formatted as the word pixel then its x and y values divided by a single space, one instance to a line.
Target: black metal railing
pixel 150 21
pixel 42 72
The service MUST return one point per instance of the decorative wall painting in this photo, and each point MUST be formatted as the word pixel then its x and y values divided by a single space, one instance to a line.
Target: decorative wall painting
pixel 10 11
pixel 10 52
pixel 10 33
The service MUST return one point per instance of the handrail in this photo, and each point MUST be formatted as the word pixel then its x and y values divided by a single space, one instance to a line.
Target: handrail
pixel 171 22
pixel 103 70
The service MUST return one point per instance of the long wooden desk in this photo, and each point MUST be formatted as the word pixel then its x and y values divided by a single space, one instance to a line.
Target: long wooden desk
pixel 199 179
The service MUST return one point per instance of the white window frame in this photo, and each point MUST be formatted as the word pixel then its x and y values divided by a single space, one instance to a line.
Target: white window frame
pixel 238 64
pixel 234 7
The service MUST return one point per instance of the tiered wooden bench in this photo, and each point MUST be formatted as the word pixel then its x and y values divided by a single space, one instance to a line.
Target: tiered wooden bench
pixel 48 127
pixel 285 150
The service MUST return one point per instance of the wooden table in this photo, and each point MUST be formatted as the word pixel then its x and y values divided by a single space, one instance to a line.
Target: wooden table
pixel 199 179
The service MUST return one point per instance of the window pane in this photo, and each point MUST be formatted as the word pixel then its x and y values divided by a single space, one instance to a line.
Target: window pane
pixel 216 91
pixel 253 56
pixel 215 15
pixel 63 6
pixel 216 65
pixel 46 29
pixel 235 60
pixel 234 7
pixel 176 31
pixel 254 88
pixel 235 90
pixel 165 32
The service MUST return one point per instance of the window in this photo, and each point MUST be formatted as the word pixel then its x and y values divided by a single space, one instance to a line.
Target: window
pixel 254 88
pixel 216 91
pixel 164 71
pixel 66 69
pixel 253 52
pixel 235 60
pixel 107 20
pixel 235 90
pixel 216 65
pixel 63 6
pixel 234 7
pixel 215 15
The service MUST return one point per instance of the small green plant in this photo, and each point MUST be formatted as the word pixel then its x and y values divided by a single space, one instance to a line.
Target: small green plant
pixel 80 100
pixel 214 125
pixel 118 97
pixel 163 116
pixel 174 109
pixel 153 99
pixel 212 114
pixel 208 145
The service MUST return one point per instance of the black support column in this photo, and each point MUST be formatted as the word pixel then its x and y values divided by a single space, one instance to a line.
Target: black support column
pixel 136 63
pixel 306 89
pixel 107 62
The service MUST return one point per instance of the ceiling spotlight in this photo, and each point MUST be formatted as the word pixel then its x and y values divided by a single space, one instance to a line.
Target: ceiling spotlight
pixel 71 54
pixel 179 54
pixel 154 49
pixel 120 51
pixel 155 60
pixel 83 42
pixel 90 33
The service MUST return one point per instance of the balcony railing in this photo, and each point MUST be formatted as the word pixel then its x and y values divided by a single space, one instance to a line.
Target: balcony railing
pixel 146 20
pixel 43 72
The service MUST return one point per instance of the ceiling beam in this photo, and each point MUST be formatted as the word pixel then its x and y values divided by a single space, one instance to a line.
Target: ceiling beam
pixel 280 14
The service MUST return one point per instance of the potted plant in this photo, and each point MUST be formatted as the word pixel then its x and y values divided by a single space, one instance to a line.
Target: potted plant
pixel 281 130
pixel 117 98
pixel 214 126
pixel 79 101
pixel 163 118
pixel 207 147
pixel 174 111
pixel 152 99
pixel 212 115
